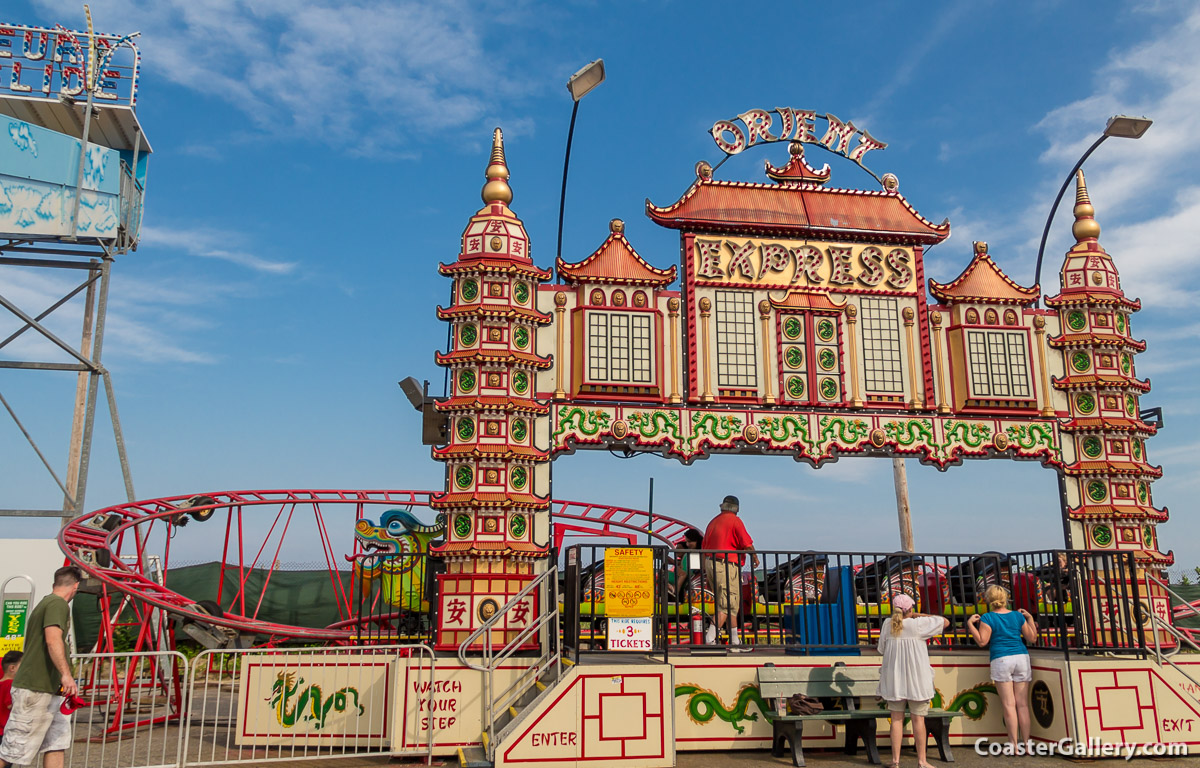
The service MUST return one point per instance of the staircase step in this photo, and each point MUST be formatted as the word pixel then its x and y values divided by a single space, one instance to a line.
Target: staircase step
pixel 513 712
pixel 540 685
pixel 473 757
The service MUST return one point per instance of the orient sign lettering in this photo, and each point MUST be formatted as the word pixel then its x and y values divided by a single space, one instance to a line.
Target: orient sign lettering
pixel 782 264
pixel 760 126
pixel 47 63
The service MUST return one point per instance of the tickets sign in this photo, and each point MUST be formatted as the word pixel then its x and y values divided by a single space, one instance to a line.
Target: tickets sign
pixel 634 634
pixel 628 581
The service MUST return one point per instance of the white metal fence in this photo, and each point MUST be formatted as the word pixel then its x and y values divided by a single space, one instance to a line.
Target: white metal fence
pixel 159 710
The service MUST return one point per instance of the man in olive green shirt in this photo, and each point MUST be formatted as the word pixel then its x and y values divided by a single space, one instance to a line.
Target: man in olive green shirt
pixel 37 724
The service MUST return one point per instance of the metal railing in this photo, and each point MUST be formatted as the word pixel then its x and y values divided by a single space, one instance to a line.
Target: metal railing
pixel 292 704
pixel 836 602
pixel 131 717
pixel 1158 624
pixel 544 629
pixel 394 597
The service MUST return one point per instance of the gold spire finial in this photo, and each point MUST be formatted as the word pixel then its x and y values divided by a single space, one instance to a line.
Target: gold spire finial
pixel 1085 227
pixel 497 190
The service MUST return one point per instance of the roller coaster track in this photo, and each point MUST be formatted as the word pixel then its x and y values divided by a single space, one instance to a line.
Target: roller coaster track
pixel 111 544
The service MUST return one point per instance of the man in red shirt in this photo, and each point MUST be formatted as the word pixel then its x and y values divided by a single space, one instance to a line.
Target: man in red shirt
pixel 724 570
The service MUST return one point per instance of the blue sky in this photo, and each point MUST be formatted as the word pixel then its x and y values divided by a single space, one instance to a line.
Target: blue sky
pixel 315 161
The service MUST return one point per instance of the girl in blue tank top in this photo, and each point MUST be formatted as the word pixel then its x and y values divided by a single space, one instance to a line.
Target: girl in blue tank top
pixel 1004 633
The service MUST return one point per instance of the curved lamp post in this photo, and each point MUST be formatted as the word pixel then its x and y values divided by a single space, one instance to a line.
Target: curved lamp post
pixel 1121 126
pixel 580 84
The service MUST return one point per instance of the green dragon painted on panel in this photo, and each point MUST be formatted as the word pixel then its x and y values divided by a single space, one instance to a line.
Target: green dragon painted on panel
pixel 848 432
pixel 785 429
pixel 655 424
pixel 970 434
pixel 703 704
pixel 1029 436
pixel 308 704
pixel 720 427
pixel 589 423
pixel 910 432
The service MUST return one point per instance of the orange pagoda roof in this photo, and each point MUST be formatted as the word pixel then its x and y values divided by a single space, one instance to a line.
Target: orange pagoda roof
pixel 983 281
pixel 615 261
pixel 797 170
pixel 797 210
pixel 817 300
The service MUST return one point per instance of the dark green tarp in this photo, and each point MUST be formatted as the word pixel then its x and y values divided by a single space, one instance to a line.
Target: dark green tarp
pixel 297 598
pixel 1189 593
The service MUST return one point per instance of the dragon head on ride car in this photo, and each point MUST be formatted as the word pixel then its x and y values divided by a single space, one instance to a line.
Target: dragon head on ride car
pixel 394 554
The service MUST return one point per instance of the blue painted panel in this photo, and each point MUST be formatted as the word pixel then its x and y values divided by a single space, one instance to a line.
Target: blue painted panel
pixel 38 171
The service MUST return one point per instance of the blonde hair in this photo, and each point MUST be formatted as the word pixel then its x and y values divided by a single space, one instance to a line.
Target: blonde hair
pixel 996 597
pixel 897 622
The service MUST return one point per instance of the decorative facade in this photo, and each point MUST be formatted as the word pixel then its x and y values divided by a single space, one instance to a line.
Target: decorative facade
pixel 496 502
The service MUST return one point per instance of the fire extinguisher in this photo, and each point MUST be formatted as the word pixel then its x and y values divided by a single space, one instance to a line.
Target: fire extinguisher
pixel 697 627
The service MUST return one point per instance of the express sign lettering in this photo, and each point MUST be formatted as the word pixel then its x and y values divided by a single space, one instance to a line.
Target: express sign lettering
pixel 760 126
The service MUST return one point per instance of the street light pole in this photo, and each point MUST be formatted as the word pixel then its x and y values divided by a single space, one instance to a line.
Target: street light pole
pixel 580 84
pixel 1121 126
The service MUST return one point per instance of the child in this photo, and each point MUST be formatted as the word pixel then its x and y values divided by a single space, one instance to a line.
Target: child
pixel 905 675
pixel 8 665
pixel 1001 631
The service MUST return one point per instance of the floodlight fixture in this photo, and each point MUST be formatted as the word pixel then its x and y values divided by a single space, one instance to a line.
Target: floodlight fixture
pixel 414 392
pixel 586 79
pixel 1126 127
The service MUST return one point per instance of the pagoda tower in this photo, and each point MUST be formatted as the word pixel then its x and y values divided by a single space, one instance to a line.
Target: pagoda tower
pixel 496 503
pixel 1108 475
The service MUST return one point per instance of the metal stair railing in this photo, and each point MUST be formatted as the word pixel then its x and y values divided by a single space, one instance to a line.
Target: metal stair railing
pixel 1157 623
pixel 495 703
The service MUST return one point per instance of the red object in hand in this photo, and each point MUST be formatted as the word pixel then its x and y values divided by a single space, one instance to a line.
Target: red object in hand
pixel 72 703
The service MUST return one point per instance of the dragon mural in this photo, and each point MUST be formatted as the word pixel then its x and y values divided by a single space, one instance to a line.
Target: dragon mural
pixel 394 557
pixel 308 704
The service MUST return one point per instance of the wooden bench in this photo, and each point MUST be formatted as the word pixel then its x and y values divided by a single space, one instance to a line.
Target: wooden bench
pixel 838 687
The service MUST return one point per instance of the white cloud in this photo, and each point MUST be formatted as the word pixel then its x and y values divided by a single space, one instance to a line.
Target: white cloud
pixel 209 244
pixel 359 75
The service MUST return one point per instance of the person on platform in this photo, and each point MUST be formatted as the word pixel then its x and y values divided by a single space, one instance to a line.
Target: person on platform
pixel 1002 631
pixel 905 674
pixel 723 570
pixel 8 668
pixel 37 724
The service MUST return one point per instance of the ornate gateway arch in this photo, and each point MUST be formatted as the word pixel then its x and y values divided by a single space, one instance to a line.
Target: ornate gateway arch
pixel 803 325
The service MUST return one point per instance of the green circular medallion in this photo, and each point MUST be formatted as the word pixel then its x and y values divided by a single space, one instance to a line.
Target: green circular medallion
pixel 521 337
pixel 470 290
pixel 516 526
pixel 462 526
pixel 792 328
pixel 520 382
pixel 793 357
pixel 519 430
pixel 1077 320
pixel 1120 323
pixel 519 478
pixel 827 359
pixel 1126 364
pixel 829 389
pixel 795 387
pixel 1085 402
pixel 1137 449
pixel 467 335
pixel 1080 361
pixel 463 476
pixel 1102 535
pixel 825 330
pixel 521 293
pixel 466 429
pixel 1092 447
pixel 1148 536
pixel 1143 492
pixel 1130 404
pixel 466 380
pixel 1097 491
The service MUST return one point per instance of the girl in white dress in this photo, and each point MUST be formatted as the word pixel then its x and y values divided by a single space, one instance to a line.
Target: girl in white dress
pixel 905 675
